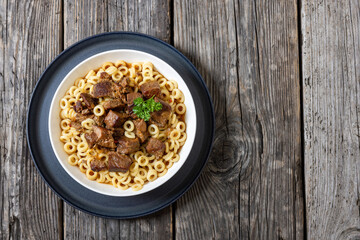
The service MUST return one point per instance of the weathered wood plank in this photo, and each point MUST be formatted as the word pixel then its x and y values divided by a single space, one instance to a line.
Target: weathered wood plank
pixel 29 41
pixel 247 52
pixel 86 18
pixel 331 83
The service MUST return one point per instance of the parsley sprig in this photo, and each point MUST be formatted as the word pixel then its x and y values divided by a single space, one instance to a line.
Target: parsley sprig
pixel 143 108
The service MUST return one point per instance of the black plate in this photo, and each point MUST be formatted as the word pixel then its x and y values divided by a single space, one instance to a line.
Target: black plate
pixel 62 183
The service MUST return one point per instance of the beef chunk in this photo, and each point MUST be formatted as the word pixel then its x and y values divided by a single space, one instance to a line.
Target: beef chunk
pixel 104 76
pixel 103 89
pixel 104 137
pixel 131 97
pixel 107 89
pixel 114 119
pixel 115 103
pixel 99 120
pixel 76 125
pixel 78 107
pixel 141 129
pixel 161 118
pixel 128 145
pixel 80 117
pixel 155 147
pixel 97 165
pixel 150 89
pixel 86 111
pixel 119 162
pixel 88 100
pixel 124 85
pixel 91 139
pixel 118 132
pixel 124 82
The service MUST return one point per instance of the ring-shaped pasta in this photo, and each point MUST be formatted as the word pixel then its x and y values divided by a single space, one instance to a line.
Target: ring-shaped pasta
pixel 174 134
pixel 152 175
pixel 106 65
pixel 123 69
pixel 64 103
pixel 162 137
pixel 116 76
pixel 143 161
pixel 101 177
pixel 76 140
pixel 82 147
pixel 122 186
pixel 142 173
pixel 129 126
pixel 160 174
pixel 103 157
pixel 69 147
pixel 73 160
pixel 83 167
pixel 164 94
pixel 181 126
pixel 159 166
pixel 65 124
pixel 91 175
pixel 88 123
pixel 176 93
pixel 182 138
pixel 110 70
pixel 153 129
pixel 99 110
pixel 119 63
pixel 136 187
pixel 180 108
pixel 169 86
pixel 129 134
pixel 89 74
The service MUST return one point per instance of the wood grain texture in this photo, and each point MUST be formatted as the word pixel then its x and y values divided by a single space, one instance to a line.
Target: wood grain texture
pixel 29 40
pixel 331 83
pixel 86 18
pixel 247 52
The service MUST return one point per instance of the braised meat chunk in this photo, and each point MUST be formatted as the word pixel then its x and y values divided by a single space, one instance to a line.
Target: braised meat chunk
pixel 128 145
pixel 91 139
pixel 78 107
pixel 150 89
pixel 89 101
pixel 104 137
pixel 97 165
pixel 104 76
pixel 118 132
pixel 115 103
pixel 155 147
pixel 103 89
pixel 99 120
pixel 119 162
pixel 161 118
pixel 141 129
pixel 115 119
pixel 130 97
pixel 124 82
pixel 76 125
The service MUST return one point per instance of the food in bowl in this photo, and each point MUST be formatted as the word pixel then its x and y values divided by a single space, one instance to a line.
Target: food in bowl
pixel 123 124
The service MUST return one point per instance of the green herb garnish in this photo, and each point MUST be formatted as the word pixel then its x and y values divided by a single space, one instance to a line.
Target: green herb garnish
pixel 143 108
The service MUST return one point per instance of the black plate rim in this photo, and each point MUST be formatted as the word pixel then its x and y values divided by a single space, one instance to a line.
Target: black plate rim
pixel 116 33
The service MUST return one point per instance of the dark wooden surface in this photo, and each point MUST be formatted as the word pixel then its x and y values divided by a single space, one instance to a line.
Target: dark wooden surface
pixel 331 90
pixel 284 79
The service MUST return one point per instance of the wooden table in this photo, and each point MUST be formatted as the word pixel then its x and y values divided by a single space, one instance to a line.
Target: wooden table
pixel 284 77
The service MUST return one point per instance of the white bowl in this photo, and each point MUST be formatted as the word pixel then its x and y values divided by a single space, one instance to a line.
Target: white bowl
pixel 95 62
